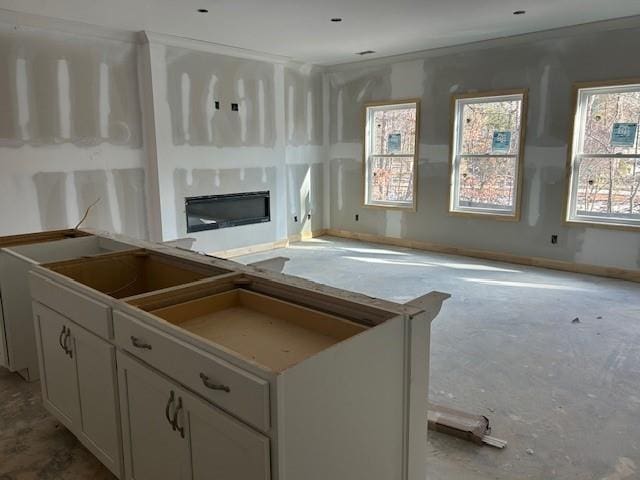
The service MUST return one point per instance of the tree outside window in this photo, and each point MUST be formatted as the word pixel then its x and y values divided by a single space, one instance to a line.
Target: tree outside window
pixel 604 186
pixel 391 140
pixel 486 153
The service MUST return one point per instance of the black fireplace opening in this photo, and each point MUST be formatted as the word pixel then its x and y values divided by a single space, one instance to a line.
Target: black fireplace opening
pixel 212 212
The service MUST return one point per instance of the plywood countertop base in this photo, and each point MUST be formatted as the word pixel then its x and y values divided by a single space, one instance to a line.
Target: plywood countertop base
pixel 270 332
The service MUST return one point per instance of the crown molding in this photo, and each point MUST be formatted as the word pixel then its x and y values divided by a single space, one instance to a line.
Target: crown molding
pixel 210 47
pixel 19 20
pixel 574 30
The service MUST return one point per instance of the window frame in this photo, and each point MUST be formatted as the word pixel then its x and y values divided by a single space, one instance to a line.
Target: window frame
pixel 365 155
pixel 456 134
pixel 576 133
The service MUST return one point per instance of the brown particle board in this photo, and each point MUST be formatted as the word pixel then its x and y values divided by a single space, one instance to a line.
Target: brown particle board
pixel 268 331
pixel 40 237
pixel 133 272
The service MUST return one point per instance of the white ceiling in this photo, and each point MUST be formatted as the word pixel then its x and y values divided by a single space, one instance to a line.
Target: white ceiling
pixel 301 29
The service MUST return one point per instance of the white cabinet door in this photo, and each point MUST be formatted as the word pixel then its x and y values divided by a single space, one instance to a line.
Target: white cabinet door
pixel 153 448
pixel 57 363
pixel 99 426
pixel 223 448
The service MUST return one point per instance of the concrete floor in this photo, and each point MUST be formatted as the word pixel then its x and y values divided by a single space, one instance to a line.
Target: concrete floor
pixel 566 396
pixel 33 445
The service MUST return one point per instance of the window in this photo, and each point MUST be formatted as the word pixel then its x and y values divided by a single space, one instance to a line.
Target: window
pixel 391 150
pixel 604 168
pixel 486 157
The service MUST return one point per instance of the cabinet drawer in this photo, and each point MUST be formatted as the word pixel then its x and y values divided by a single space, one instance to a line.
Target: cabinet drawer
pixel 231 388
pixel 86 312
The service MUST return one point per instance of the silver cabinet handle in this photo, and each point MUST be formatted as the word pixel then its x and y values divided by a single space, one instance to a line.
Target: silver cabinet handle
pixel 64 330
pixel 64 343
pixel 175 418
pixel 136 342
pixel 213 386
pixel 168 408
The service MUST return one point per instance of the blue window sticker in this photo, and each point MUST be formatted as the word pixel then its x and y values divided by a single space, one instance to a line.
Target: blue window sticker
pixel 501 142
pixel 394 143
pixel 624 134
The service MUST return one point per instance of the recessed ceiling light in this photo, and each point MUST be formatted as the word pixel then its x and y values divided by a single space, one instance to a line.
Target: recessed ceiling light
pixel 519 12
pixel 336 19
pixel 203 10
pixel 365 52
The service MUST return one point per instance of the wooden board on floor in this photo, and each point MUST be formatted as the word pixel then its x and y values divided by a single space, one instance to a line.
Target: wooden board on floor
pixel 587 269
pixel 458 423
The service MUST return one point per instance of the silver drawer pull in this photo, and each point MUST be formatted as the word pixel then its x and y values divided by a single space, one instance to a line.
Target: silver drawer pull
pixel 136 342
pixel 213 386
pixel 167 409
pixel 62 334
pixel 176 425
pixel 67 349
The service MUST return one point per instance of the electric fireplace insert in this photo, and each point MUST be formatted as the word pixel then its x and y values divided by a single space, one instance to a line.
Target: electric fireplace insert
pixel 221 211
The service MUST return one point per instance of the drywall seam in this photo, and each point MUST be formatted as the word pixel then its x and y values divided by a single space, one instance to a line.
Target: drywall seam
pixel 326 199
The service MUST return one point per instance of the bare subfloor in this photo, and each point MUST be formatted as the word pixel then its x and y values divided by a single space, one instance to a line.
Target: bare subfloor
pixel 33 445
pixel 565 395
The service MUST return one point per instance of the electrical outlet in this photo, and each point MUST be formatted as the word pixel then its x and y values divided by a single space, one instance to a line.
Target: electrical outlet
pixel 554 239
pixel 308 216
pixel 234 107
pixel 357 217
pixel 216 105
pixel 295 218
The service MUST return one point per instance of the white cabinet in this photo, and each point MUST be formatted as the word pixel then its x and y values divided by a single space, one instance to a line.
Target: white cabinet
pixel 99 425
pixel 17 257
pixel 170 434
pixel 79 383
pixel 315 383
pixel 153 448
pixel 241 376
pixel 223 448
pixel 59 383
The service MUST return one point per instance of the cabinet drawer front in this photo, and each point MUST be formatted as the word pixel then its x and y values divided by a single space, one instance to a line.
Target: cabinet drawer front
pixel 227 386
pixel 86 312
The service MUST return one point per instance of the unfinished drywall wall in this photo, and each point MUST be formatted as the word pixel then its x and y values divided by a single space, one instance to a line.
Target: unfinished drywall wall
pixel 204 151
pixel 547 67
pixel 305 150
pixel 197 80
pixel 70 132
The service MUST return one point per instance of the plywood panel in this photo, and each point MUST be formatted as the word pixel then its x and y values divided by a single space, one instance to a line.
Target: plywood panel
pixel 29 238
pixel 131 273
pixel 273 333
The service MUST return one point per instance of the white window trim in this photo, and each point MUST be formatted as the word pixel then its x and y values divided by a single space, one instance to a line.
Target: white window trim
pixel 579 120
pixel 458 106
pixel 369 109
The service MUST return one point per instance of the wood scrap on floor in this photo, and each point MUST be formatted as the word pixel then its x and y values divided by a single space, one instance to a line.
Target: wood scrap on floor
pixel 467 426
